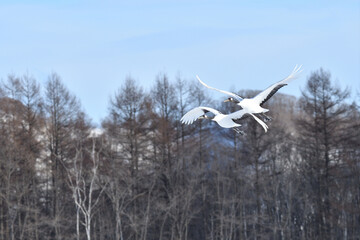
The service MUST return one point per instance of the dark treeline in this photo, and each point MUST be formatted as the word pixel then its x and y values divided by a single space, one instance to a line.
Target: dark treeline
pixel 144 175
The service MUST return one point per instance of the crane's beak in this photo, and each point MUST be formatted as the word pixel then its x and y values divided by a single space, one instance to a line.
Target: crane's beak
pixel 227 100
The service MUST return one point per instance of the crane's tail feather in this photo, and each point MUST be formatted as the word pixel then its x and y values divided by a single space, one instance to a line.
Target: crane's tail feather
pixel 260 122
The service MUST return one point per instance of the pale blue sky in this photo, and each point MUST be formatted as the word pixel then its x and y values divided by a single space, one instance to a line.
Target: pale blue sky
pixel 94 45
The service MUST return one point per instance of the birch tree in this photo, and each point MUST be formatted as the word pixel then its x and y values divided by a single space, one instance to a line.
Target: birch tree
pixel 85 184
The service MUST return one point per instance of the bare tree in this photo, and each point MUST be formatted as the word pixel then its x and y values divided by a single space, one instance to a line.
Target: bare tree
pixel 128 126
pixel 321 130
pixel 62 110
pixel 163 94
pixel 20 111
pixel 182 98
pixel 84 182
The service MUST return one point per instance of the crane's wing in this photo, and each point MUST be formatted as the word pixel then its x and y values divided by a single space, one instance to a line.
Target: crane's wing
pixel 197 112
pixel 265 95
pixel 240 114
pixel 222 91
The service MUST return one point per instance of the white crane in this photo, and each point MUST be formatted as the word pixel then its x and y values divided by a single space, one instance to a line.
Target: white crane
pixel 254 105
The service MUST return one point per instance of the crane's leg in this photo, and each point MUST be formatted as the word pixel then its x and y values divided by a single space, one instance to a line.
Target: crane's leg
pixel 237 130
pixel 266 118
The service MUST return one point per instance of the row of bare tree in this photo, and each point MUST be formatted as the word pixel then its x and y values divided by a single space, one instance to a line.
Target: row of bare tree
pixel 144 175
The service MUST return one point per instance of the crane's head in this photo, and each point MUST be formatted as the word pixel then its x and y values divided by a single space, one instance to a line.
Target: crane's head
pixel 206 117
pixel 231 99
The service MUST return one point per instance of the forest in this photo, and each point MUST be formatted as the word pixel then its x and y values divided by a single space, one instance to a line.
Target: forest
pixel 144 175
